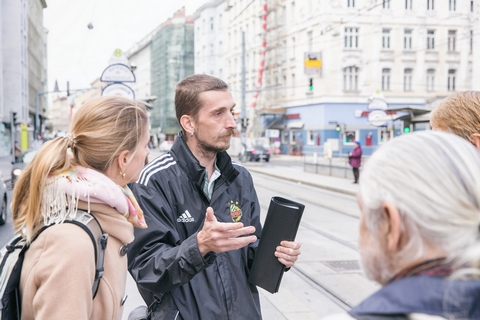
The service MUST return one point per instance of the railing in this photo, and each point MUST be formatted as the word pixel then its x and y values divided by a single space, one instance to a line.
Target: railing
pixel 336 167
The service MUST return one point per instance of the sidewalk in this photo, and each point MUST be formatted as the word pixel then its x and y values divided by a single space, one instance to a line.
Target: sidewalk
pixel 6 167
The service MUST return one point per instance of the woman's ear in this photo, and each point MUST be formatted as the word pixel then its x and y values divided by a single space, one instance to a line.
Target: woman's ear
pixel 123 160
pixel 394 231
pixel 187 124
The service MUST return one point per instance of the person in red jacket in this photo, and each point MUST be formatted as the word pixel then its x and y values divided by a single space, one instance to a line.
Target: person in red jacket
pixel 355 160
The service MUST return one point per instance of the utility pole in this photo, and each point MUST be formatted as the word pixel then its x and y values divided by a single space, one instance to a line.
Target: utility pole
pixel 243 112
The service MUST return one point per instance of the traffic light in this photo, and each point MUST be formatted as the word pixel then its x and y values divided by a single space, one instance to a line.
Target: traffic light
pixel 338 128
pixel 407 126
pixel 14 118
pixel 244 122
pixel 311 84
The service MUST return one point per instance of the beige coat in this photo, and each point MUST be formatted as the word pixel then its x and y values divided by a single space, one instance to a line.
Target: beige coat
pixel 59 270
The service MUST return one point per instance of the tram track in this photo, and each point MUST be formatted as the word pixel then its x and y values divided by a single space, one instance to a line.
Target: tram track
pixel 303 274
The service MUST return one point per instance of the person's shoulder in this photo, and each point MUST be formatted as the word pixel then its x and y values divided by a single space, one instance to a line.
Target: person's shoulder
pixel 164 164
pixel 338 316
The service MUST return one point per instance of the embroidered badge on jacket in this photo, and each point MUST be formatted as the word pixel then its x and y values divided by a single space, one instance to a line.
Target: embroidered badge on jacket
pixel 235 211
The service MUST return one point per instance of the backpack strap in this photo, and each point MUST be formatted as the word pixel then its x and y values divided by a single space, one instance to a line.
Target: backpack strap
pixel 99 239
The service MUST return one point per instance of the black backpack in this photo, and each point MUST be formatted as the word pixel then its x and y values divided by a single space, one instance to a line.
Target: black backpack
pixel 12 255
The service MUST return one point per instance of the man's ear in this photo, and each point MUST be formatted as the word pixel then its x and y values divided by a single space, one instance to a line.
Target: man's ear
pixel 187 124
pixel 394 231
pixel 475 138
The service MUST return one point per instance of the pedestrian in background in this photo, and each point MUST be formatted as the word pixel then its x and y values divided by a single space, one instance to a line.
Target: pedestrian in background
pixel 17 150
pixel 87 169
pixel 203 214
pixel 355 160
pixel 419 230
pixel 459 113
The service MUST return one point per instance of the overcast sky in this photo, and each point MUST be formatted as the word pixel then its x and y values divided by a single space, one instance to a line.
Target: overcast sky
pixel 78 54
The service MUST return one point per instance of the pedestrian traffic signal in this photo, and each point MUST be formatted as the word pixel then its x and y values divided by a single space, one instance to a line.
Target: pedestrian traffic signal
pixel 338 128
pixel 14 118
pixel 311 84
pixel 407 126
pixel 406 130
pixel 244 122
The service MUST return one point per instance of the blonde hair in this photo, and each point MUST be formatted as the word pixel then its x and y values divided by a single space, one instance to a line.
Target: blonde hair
pixel 100 131
pixel 433 179
pixel 458 113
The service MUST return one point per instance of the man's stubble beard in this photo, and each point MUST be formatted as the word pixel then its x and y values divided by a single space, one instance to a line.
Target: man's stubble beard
pixel 376 262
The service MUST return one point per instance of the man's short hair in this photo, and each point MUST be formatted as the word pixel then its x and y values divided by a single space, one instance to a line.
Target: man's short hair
pixel 187 93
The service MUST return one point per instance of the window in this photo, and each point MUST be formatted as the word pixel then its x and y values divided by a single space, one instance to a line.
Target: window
pixel 431 39
pixel 430 80
pixel 385 79
pixel 452 34
pixel 351 37
pixel 309 39
pixel 452 5
pixel 350 78
pixel 451 80
pixel 471 41
pixel 407 80
pixel 311 137
pixel 407 39
pixel 293 84
pixel 384 136
pixel 408 4
pixel 211 23
pixel 293 48
pixel 349 137
pixel 430 4
pixel 386 38
pixel 471 5
pixel 293 12
pixel 351 3
pixel 386 4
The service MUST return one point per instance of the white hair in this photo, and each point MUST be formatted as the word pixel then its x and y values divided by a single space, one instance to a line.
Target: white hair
pixel 433 179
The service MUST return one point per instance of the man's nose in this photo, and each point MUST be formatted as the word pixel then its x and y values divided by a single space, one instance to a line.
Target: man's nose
pixel 231 121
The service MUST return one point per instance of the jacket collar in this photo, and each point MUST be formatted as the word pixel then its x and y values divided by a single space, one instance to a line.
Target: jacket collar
pixel 424 294
pixel 194 170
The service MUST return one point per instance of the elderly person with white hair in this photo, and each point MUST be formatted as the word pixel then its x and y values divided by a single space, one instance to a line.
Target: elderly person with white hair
pixel 419 230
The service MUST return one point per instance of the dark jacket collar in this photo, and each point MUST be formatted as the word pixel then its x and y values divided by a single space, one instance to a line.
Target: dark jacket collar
pixel 425 294
pixel 190 165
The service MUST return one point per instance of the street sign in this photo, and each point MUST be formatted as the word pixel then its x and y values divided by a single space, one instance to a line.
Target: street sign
pixel 313 63
pixel 377 118
pixel 117 73
pixel 118 89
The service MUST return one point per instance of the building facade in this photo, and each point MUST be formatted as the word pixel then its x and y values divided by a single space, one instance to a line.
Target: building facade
pixel 14 67
pixel 401 53
pixel 210 39
pixel 37 65
pixel 172 59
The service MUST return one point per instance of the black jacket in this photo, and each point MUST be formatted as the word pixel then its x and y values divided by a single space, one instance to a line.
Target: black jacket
pixel 164 259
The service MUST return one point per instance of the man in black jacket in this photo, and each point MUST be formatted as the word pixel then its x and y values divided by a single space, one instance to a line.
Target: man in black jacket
pixel 203 215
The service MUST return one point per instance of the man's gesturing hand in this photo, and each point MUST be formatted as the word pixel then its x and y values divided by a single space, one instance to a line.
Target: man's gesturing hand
pixel 223 236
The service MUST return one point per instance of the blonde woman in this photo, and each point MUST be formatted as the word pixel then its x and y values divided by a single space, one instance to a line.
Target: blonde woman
pixel 89 169
pixel 459 113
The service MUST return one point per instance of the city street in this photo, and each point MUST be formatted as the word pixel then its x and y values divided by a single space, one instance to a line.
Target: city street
pixel 327 278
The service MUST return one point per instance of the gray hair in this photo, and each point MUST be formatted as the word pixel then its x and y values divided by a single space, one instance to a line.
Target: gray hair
pixel 433 179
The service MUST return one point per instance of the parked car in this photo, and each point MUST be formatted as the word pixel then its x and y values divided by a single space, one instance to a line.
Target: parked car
pixel 4 201
pixel 17 167
pixel 258 153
